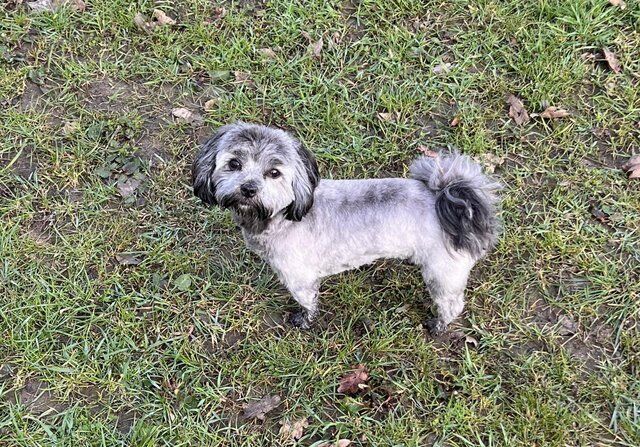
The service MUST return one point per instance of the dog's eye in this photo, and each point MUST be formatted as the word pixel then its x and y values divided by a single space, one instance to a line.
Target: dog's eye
pixel 274 173
pixel 234 165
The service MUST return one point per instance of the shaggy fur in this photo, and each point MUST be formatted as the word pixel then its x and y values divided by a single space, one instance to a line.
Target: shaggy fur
pixel 442 219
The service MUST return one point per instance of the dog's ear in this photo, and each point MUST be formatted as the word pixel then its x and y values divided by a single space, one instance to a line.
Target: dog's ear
pixel 304 183
pixel 203 167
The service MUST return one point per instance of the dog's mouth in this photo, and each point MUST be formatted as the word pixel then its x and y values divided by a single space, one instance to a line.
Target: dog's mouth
pixel 246 206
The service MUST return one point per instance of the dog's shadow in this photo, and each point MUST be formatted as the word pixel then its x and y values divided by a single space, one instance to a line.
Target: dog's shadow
pixel 358 298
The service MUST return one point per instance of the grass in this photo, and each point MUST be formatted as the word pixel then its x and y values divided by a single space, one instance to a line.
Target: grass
pixel 169 351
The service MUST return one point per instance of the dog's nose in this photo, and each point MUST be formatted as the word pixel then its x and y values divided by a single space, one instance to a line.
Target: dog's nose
pixel 248 189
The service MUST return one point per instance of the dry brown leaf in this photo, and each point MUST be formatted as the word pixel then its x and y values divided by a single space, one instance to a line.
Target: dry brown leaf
pixel 517 110
pixel 427 152
pixel 343 443
pixel 70 127
pixel 127 259
pixel 260 408
pixel 316 48
pixel 78 5
pixel 268 53
pixel 600 215
pixel 612 60
pixel 162 18
pixel 127 187
pixel 293 431
pixel 210 104
pixel 455 121
pixel 632 167
pixel 619 3
pixel 54 5
pixel 489 161
pixel 142 23
pixel 469 340
pixel 553 112
pixel 185 115
pixel 387 116
pixel 219 12
pixel 354 381
pixel 442 68
pixel 241 76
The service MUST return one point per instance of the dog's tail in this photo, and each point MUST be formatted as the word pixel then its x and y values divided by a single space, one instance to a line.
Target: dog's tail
pixel 466 201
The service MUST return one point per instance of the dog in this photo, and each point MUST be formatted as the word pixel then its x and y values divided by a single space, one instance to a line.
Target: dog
pixel 443 218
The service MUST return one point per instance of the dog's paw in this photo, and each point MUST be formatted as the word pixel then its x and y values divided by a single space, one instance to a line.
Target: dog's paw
pixel 435 327
pixel 300 320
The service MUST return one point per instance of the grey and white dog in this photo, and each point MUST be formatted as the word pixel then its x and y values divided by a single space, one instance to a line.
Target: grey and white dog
pixel 442 219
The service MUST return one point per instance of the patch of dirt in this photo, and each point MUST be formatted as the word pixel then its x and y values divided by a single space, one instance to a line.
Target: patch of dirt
pixel 23 166
pixel 107 95
pixel 126 419
pixel 37 398
pixel 40 229
pixel 589 346
pixel 151 150
pixel 30 98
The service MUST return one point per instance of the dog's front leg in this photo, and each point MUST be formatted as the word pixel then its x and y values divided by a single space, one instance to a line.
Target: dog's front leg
pixel 307 297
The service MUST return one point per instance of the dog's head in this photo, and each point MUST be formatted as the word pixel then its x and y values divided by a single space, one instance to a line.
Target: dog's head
pixel 256 170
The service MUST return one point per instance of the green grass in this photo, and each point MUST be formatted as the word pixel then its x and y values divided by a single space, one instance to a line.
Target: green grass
pixel 97 353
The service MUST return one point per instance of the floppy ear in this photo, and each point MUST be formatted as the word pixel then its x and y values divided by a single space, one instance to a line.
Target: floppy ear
pixel 203 167
pixel 304 183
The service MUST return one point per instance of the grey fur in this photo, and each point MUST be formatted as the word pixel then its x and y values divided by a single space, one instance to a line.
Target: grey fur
pixel 443 219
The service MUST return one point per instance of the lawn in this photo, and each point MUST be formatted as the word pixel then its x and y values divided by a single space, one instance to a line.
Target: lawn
pixel 130 314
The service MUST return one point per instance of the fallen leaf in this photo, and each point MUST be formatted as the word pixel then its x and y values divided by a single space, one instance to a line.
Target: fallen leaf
pixel 612 60
pixel 183 282
pixel 619 3
pixel 127 259
pixel 260 408
pixel 185 115
pixel 354 381
pixel 469 340
pixel 70 127
pixel 210 104
pixel 242 76
pixel 442 68
pixel 600 215
pixel 127 187
pixel 44 5
pixel 142 23
pixel 428 152
pixel 343 443
pixel 268 53
pixel 219 12
pixel 489 161
pixel 389 117
pixel 316 48
pixel 293 431
pixel 517 110
pixel 553 112
pixel 78 5
pixel 632 167
pixel 455 121
pixel 567 326
pixel 162 18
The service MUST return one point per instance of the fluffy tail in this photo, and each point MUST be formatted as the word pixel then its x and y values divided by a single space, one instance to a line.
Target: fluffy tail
pixel 466 200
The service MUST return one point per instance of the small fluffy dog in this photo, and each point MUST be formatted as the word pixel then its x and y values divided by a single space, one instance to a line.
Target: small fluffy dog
pixel 442 219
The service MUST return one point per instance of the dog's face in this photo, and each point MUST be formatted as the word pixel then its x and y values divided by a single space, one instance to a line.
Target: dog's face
pixel 257 171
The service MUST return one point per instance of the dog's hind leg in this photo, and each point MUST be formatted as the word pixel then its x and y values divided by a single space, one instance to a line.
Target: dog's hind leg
pixel 446 286
pixel 307 296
